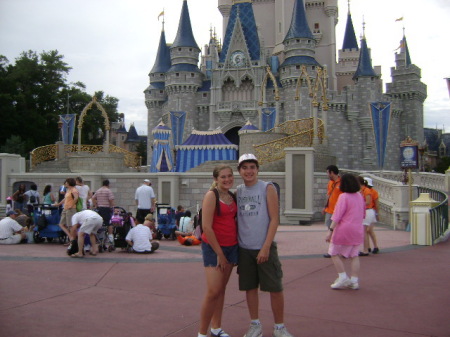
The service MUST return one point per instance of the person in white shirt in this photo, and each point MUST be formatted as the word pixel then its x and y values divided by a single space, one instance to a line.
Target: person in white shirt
pixel 83 190
pixel 140 239
pixel 32 198
pixel 186 225
pixel 90 222
pixel 145 200
pixel 11 232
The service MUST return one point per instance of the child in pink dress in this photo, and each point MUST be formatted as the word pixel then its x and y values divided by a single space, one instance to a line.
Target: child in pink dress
pixel 346 232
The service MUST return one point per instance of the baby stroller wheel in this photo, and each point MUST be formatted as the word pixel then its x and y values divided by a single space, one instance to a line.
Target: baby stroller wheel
pixel 158 235
pixel 49 239
pixel 37 238
pixel 100 249
pixel 111 248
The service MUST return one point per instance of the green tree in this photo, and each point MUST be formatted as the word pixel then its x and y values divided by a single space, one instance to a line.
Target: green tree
pixel 443 165
pixel 14 144
pixel 141 150
pixel 34 92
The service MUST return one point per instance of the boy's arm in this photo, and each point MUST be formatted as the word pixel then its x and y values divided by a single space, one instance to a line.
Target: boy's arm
pixel 272 206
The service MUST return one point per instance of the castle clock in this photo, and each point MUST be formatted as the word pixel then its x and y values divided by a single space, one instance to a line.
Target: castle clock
pixel 237 59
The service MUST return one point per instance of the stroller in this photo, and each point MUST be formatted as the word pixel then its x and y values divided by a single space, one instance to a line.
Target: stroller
pixel 122 223
pixel 166 222
pixel 46 220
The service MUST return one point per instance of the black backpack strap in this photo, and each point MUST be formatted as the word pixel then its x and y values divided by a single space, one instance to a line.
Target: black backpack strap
pixel 216 193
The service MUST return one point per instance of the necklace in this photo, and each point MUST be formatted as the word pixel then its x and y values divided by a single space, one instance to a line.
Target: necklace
pixel 225 197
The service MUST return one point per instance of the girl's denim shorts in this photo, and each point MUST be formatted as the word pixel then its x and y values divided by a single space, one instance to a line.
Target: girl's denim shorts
pixel 210 256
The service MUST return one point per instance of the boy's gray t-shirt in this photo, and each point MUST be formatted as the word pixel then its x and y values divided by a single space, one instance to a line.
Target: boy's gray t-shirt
pixel 253 215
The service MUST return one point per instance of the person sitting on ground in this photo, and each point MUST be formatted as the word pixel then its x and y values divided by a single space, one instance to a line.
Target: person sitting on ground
pixel 188 240
pixel 21 218
pixel 150 223
pixel 10 231
pixel 186 227
pixel 90 222
pixel 178 214
pixel 140 239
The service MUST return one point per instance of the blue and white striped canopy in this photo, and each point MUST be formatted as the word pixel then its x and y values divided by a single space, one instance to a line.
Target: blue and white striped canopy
pixel 203 146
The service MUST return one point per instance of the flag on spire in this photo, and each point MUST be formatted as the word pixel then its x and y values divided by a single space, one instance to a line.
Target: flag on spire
pixel 160 14
pixel 399 19
pixel 448 85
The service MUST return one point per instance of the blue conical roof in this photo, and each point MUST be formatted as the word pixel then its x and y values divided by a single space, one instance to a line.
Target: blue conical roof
pixel 404 49
pixel 244 12
pixel 350 41
pixel 132 135
pixel 365 63
pixel 185 37
pixel 299 26
pixel 162 62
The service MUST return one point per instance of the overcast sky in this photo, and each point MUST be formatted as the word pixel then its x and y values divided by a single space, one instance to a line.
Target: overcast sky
pixel 111 44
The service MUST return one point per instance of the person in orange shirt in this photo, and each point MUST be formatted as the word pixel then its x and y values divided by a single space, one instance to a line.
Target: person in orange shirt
pixel 333 193
pixel 371 218
pixel 70 208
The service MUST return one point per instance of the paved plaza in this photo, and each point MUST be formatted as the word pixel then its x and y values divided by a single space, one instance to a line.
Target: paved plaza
pixel 404 291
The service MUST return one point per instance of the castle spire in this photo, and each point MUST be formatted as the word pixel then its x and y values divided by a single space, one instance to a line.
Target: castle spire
pixel 299 26
pixel 365 68
pixel 185 37
pixel 242 11
pixel 404 50
pixel 350 41
pixel 162 62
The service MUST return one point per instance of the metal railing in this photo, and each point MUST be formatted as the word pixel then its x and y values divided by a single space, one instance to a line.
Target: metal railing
pixel 48 152
pixel 438 214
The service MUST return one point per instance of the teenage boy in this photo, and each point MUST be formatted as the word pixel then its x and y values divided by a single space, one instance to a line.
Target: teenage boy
pixel 259 265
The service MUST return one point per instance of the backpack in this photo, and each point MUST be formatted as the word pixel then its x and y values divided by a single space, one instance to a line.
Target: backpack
pixel 79 204
pixel 32 199
pixel 198 218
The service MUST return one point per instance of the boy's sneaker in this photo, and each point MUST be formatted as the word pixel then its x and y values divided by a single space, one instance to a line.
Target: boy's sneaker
pixel 281 333
pixel 341 284
pixel 255 330
pixel 220 334
pixel 375 250
pixel 353 285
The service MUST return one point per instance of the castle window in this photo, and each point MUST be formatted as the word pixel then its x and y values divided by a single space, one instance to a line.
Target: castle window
pixel 297 67
pixel 190 49
pixel 205 94
pixel 316 25
pixel 279 27
pixel 161 75
pixel 298 41
pixel 177 74
pixel 192 75
pixel 179 49
pixel 161 91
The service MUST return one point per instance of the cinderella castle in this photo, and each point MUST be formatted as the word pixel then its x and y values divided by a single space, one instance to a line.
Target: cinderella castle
pixel 274 81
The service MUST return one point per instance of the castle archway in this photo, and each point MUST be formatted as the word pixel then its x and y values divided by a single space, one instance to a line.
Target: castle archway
pixel 106 122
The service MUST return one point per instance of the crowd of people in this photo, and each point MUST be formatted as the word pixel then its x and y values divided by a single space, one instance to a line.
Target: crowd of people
pixel 351 210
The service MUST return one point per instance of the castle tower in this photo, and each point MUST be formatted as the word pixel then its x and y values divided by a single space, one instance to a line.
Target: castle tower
pixel 155 93
pixel 348 56
pixel 184 78
pixel 299 48
pixel 408 93
pixel 323 18
pixel 236 84
pixel 367 89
